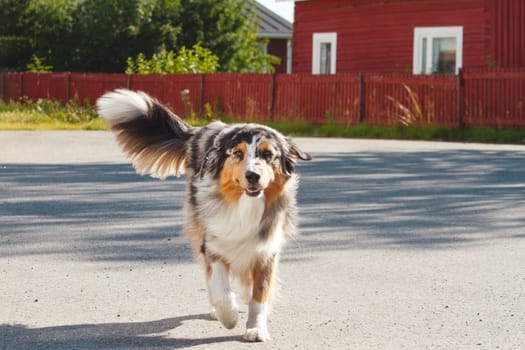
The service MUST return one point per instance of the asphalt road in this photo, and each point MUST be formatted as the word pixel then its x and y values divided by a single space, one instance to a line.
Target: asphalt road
pixel 403 245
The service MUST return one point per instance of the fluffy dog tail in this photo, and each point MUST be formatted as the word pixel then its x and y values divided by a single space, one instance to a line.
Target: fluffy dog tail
pixel 152 136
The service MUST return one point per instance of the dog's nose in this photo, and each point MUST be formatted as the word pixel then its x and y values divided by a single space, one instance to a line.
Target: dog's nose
pixel 253 178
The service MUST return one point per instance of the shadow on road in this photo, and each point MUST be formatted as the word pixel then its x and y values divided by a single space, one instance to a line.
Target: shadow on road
pixel 420 200
pixel 95 211
pixel 141 335
pixel 386 200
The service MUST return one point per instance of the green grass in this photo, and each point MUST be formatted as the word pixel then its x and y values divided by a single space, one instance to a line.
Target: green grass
pixel 48 115
pixel 51 115
pixel 471 134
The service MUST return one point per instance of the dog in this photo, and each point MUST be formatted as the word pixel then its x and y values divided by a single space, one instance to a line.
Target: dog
pixel 240 204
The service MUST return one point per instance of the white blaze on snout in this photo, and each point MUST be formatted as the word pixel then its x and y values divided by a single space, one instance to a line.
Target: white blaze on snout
pixel 252 161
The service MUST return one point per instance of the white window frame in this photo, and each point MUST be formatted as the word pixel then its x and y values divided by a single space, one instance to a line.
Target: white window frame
pixel 318 39
pixel 431 33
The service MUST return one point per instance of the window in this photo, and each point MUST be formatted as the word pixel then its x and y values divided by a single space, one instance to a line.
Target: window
pixel 438 50
pixel 324 53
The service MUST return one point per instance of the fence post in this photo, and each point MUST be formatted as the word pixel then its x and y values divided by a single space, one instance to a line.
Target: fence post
pixel 3 86
pixel 128 82
pixel 459 101
pixel 272 97
pixel 21 86
pixel 68 86
pixel 361 97
pixel 201 94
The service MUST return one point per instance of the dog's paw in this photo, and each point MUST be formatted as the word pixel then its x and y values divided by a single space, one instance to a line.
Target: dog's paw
pixel 256 334
pixel 213 314
pixel 227 312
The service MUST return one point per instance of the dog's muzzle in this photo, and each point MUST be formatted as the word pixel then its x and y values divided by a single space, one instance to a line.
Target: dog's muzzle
pixel 253 189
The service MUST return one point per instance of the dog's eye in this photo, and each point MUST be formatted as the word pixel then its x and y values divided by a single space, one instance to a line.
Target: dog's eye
pixel 238 154
pixel 266 154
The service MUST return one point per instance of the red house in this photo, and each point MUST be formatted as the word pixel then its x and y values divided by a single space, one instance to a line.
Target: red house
pixel 418 36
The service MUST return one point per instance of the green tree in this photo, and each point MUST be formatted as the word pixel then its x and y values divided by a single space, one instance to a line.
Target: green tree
pixel 10 13
pixel 162 28
pixel 49 26
pixel 105 33
pixel 99 35
pixel 228 28
pixel 15 49
pixel 110 31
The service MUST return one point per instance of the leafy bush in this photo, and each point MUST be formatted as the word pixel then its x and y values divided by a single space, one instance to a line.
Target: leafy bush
pixel 37 65
pixel 195 60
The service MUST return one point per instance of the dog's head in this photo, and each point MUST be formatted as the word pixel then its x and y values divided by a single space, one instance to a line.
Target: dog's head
pixel 251 159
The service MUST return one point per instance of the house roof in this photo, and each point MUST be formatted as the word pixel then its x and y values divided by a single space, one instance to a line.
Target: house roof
pixel 272 25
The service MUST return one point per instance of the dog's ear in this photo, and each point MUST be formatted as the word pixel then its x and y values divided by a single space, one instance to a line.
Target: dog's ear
pixel 290 155
pixel 210 162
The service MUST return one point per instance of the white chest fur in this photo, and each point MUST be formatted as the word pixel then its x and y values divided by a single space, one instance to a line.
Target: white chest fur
pixel 236 221
pixel 232 230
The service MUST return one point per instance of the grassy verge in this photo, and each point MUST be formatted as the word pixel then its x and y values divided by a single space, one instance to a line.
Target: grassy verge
pixel 48 115
pixel 51 115
pixel 471 134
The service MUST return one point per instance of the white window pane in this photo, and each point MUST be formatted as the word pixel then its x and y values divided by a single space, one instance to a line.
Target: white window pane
pixel 444 55
pixel 326 52
pixel 424 57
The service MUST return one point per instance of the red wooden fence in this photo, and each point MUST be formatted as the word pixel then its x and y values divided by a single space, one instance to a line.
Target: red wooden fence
pixel 471 98
pixel 317 98
pixel 411 99
pixel 242 96
pixel 167 88
pixel 494 99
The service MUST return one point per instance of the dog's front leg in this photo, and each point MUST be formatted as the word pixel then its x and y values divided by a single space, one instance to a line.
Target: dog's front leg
pixel 222 298
pixel 263 279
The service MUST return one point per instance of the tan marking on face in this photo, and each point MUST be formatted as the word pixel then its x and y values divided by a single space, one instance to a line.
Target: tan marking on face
pixel 232 175
pixel 264 168
pixel 277 180
pixel 243 147
pixel 265 146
